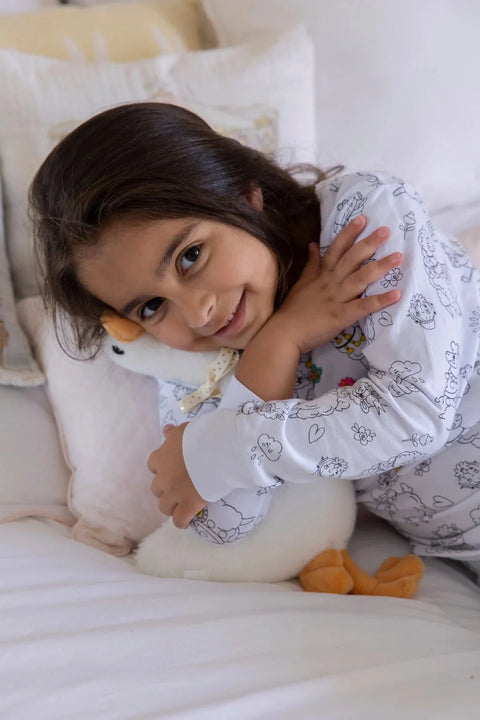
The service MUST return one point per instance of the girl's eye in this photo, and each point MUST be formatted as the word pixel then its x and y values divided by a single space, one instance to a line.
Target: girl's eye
pixel 189 257
pixel 150 308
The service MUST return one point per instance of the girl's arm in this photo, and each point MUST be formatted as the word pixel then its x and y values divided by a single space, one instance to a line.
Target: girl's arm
pixel 415 358
pixel 331 287
pixel 325 300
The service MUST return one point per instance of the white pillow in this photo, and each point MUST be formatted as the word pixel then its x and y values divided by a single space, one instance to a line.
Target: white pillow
pixel 107 418
pixel 34 476
pixel 39 97
pixel 396 84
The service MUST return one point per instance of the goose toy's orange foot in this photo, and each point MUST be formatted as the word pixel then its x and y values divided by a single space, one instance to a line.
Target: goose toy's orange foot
pixel 326 573
pixel 334 571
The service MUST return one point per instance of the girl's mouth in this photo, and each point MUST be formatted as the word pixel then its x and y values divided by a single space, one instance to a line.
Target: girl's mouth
pixel 235 322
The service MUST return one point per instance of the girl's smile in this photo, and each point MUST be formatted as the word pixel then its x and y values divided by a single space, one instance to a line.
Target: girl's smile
pixel 235 321
pixel 194 284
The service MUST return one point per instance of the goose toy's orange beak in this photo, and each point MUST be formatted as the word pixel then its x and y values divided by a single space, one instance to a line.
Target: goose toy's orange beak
pixel 120 328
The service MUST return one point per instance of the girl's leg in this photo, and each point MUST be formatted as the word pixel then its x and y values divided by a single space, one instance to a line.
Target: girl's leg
pixel 435 502
pixel 233 517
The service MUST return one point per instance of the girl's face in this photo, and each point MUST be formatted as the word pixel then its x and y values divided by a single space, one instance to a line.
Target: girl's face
pixel 194 284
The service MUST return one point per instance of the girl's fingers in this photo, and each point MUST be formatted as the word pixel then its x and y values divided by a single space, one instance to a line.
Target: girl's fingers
pixel 360 253
pixel 152 463
pixel 373 303
pixel 360 307
pixel 343 242
pixel 180 521
pixel 167 505
pixel 373 271
pixel 182 516
pixel 356 283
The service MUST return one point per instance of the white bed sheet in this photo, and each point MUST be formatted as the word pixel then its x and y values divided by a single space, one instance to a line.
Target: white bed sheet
pixel 84 636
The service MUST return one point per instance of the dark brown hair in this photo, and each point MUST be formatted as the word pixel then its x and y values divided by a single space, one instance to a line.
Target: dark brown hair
pixel 156 161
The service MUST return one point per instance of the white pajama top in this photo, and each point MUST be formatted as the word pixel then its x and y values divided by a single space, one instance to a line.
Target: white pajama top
pixel 392 403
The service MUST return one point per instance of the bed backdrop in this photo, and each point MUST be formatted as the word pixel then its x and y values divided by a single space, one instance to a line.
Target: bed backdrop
pixel 388 86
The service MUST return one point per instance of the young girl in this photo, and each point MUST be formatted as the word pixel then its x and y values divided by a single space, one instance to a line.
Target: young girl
pixel 145 210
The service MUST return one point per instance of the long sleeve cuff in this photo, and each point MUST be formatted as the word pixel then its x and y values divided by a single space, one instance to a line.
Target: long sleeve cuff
pixel 236 393
pixel 212 456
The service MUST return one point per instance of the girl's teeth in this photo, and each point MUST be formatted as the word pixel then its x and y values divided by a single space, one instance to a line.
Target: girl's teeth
pixel 231 316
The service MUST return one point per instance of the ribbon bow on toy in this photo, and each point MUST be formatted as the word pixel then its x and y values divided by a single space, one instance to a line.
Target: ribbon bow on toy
pixel 127 331
pixel 221 366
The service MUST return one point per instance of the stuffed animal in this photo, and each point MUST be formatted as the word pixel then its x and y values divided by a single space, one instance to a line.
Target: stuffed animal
pixel 307 528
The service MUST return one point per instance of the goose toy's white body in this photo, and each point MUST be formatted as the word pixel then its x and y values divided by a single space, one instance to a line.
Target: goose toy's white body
pixel 303 520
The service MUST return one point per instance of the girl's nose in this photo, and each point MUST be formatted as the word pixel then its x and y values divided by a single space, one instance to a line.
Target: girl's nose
pixel 198 308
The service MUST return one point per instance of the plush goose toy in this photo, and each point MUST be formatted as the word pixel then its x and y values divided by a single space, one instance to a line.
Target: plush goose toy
pixel 304 534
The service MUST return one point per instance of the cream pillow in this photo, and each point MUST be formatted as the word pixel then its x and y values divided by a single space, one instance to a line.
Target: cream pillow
pixel 119 31
pixel 42 98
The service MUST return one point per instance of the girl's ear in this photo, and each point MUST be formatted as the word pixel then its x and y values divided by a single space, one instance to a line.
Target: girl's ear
pixel 255 198
pixel 120 328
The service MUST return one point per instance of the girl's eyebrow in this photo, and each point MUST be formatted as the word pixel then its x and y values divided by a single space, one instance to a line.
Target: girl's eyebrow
pixel 162 266
pixel 175 242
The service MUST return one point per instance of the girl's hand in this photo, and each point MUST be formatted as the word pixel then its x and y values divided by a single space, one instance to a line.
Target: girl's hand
pixel 325 300
pixel 172 484
pixel 327 297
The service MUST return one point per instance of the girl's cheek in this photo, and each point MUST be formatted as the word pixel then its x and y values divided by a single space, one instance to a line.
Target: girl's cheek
pixel 179 338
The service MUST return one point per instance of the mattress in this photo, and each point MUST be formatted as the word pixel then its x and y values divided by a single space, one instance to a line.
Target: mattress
pixel 83 635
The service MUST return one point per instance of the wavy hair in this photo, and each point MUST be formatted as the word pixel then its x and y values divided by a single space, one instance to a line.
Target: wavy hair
pixel 156 161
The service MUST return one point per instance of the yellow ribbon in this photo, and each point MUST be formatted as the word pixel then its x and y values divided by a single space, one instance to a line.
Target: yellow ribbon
pixel 221 366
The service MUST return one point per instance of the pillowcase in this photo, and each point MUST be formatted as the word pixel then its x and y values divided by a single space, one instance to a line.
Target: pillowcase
pixel 121 31
pixel 42 97
pixel 108 422
pixel 17 366
pixel 396 84
pixel 34 476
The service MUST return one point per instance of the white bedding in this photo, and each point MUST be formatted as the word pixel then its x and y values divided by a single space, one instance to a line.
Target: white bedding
pixel 84 636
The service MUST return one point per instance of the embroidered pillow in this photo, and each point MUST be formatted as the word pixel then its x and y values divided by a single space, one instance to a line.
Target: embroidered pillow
pixel 17 366
pixel 41 99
